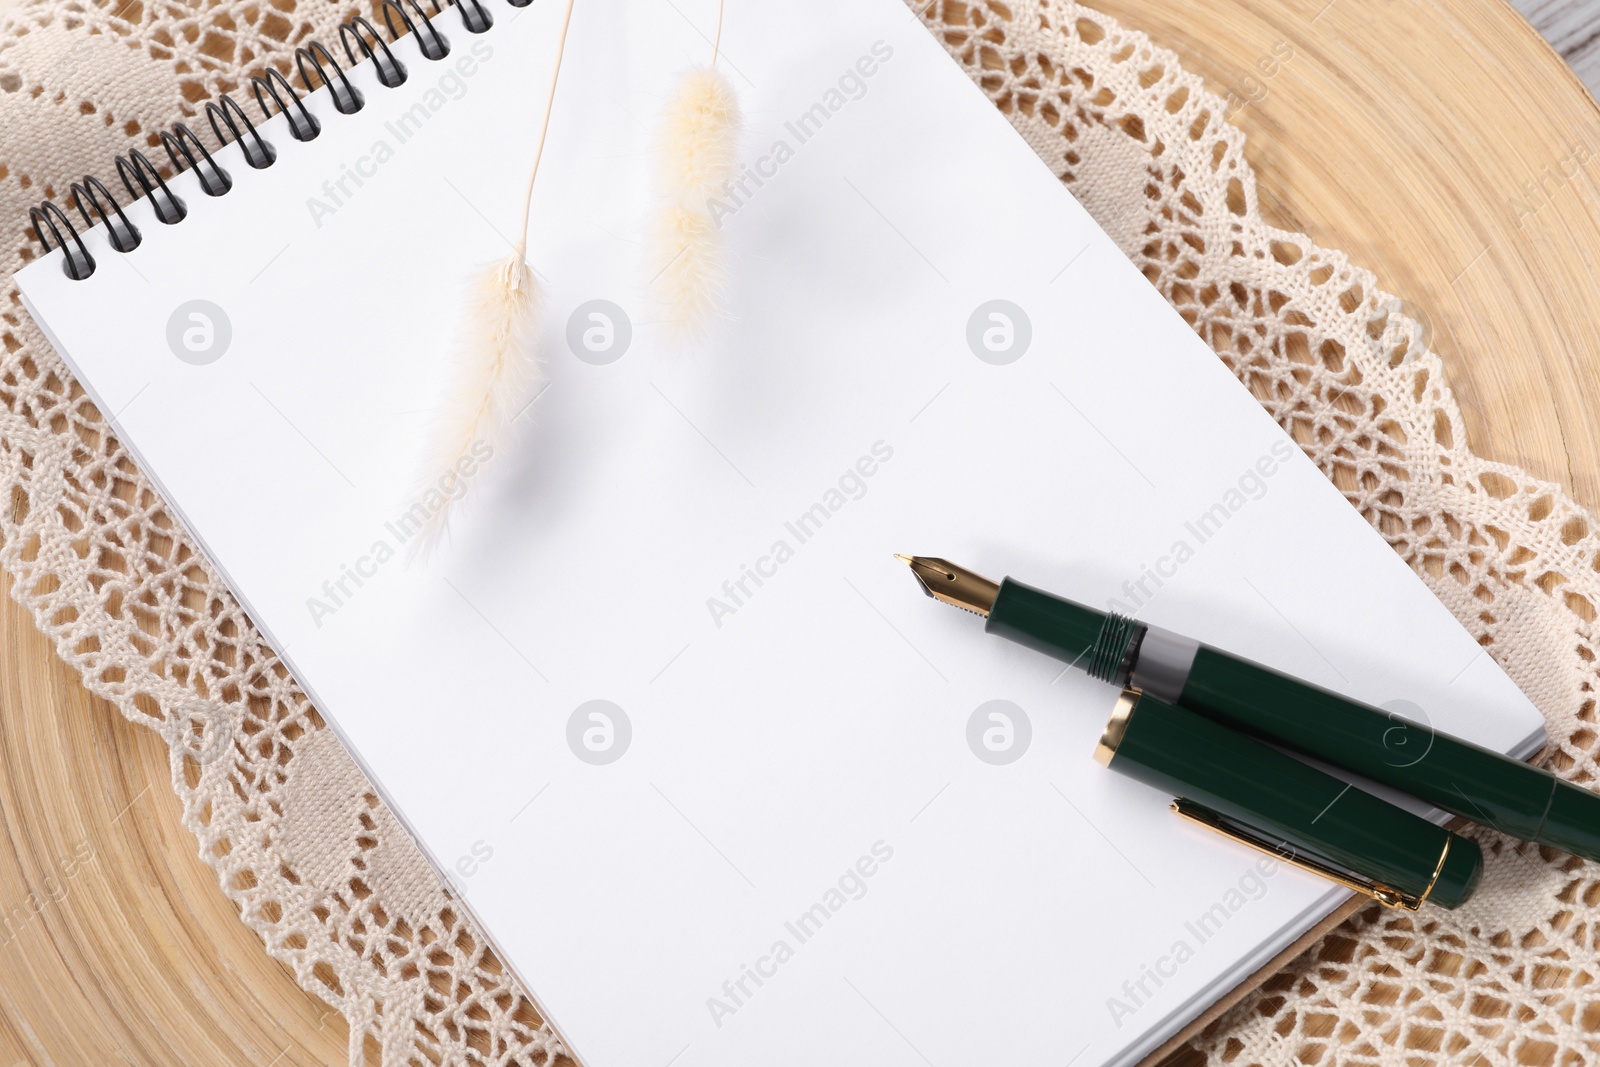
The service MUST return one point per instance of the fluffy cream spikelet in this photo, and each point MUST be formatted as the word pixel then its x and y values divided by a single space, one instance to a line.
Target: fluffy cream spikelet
pixel 696 159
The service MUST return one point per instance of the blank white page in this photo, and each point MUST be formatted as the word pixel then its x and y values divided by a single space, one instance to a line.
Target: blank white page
pixel 795 847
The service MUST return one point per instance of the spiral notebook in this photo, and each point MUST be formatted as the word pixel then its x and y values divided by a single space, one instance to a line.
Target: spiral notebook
pixel 678 729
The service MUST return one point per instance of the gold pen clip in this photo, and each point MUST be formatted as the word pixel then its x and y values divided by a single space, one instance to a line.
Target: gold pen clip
pixel 1388 897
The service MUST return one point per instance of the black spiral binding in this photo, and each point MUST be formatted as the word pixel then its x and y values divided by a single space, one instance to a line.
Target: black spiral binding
pixel 229 121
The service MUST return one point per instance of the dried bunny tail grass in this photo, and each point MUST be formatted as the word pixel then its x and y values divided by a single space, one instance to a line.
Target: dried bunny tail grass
pixel 696 160
pixel 698 153
pixel 689 263
pixel 497 366
pixel 497 357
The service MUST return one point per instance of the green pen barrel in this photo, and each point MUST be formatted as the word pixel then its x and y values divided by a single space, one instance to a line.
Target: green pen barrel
pixel 1053 625
pixel 1454 775
pixel 1288 804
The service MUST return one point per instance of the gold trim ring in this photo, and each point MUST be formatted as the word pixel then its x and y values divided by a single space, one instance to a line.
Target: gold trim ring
pixel 1117 727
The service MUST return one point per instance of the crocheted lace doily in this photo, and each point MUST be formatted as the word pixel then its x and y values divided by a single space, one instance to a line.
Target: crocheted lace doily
pixel 321 870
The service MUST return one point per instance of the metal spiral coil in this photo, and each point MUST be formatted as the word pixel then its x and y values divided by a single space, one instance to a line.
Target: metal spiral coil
pixel 274 95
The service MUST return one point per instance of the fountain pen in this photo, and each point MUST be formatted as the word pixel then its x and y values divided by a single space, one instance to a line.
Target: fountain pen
pixel 1456 776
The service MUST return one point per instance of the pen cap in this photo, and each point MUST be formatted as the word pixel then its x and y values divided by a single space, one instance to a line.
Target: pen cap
pixel 1289 806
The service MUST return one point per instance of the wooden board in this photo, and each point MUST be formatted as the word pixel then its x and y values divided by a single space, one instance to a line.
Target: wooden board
pixel 127 951
pixel 1405 134
pixel 1399 132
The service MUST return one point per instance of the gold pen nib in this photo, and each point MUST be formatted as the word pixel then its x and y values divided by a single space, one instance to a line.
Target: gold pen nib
pixel 953 585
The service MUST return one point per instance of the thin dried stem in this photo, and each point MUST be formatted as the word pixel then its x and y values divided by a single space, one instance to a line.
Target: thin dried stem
pixel 544 132
pixel 716 42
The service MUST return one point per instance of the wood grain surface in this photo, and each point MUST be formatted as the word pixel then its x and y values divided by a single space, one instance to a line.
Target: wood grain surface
pixel 1441 143
pixel 1573 28
pixel 1408 134
pixel 117 946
